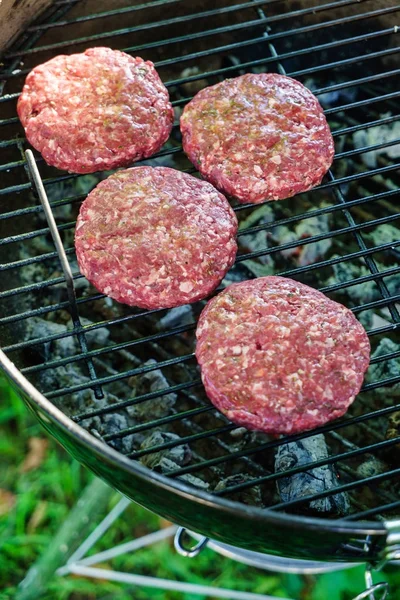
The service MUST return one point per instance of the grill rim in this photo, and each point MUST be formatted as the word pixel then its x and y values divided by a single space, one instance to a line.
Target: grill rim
pixel 367 528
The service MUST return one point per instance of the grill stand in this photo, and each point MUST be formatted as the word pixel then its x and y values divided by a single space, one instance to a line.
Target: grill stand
pixel 79 565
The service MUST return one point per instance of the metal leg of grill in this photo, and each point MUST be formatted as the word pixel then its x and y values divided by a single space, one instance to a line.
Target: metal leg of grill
pixel 77 564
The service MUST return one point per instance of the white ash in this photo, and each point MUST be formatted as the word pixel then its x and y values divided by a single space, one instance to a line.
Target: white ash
pixel 372 466
pixel 282 235
pixel 244 438
pixel 70 374
pixel 348 271
pixel 38 328
pixel 314 481
pixel 95 337
pixel 192 87
pixel 79 284
pixel 378 135
pixel 111 424
pixel 377 321
pixel 383 234
pixel 77 186
pixel 386 369
pixel 328 99
pixel 152 381
pixel 258 240
pixel 170 459
pixel 311 253
pixel 167 459
pixel 181 315
pixel 306 254
pixel 195 481
pixel 251 495
pixel 238 433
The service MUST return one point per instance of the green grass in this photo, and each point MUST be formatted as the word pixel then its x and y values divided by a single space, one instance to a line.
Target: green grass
pixel 44 496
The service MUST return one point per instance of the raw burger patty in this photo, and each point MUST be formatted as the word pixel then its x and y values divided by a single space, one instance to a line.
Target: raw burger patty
pixel 258 137
pixel 97 110
pixel 155 237
pixel 279 356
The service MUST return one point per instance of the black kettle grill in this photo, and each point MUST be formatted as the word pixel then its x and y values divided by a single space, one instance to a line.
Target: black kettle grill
pixel 119 387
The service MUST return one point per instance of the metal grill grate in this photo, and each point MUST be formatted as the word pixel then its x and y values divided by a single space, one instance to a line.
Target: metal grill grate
pixel 327 50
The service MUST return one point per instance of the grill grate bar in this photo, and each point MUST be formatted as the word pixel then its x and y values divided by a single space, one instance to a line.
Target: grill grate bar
pixel 212 32
pixel 157 423
pixel 137 400
pixel 331 460
pixel 372 277
pixel 102 15
pixel 182 386
pixel 356 82
pixel 114 348
pixel 9 97
pixel 329 184
pixel 352 105
pixel 369 259
pixel 291 272
pixel 344 422
pixel 346 257
pixel 143 27
pixel 39 159
pixel 58 179
pixel 346 487
pixel 273 59
pixel 25 186
pixel 42 310
pixel 183 440
pixel 211 13
pixel 383 383
pixel 353 128
pixel 119 376
pixel 240 258
pixel 280 222
pixel 365 514
pixel 317 238
pixel 93 326
pixel 366 149
pixel 13 142
pixel 9 121
pixel 252 41
pixel 189 327
pixel 23 262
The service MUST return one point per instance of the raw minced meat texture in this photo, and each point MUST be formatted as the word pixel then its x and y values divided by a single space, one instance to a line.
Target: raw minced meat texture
pixel 155 237
pixel 258 137
pixel 95 111
pixel 279 356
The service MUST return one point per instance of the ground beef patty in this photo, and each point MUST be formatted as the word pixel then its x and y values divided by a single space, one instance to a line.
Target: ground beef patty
pixel 97 110
pixel 258 137
pixel 155 237
pixel 279 356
